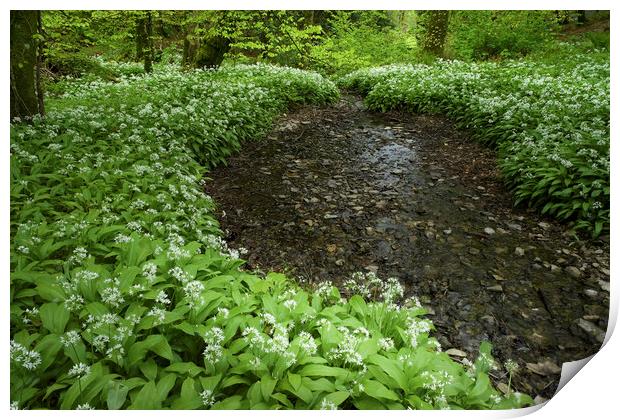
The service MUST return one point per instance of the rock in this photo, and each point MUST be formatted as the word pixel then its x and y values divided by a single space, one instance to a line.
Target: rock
pixel 590 293
pixel 474 251
pixel 502 231
pixel 309 222
pixel 447 231
pixel 544 225
pixel 456 353
pixel 514 226
pixel 339 262
pixel 488 319
pixel 554 268
pixel 503 388
pixel 605 271
pixel 573 271
pixel 604 285
pixel 489 231
pixel 501 250
pixel 496 288
pixel 591 329
pixel 539 400
pixel 545 368
pixel 330 216
pixel 372 268
pixel 331 248
pixel 519 251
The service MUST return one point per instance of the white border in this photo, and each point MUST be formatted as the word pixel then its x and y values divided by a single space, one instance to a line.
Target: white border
pixel 592 393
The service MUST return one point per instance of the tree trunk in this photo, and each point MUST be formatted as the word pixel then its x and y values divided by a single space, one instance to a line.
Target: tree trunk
pixel 436 29
pixel 211 52
pixel 38 86
pixel 144 41
pixel 24 27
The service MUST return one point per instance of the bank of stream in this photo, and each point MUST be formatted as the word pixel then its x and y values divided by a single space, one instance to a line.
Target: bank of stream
pixel 332 191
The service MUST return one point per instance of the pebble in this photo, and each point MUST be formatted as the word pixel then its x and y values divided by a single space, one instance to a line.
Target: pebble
pixel 572 271
pixel 544 225
pixel 519 251
pixel 447 231
pixel 604 285
pixel 496 288
pixel 514 226
pixel 591 329
pixel 590 293
pixel 489 231
pixel 372 268
pixel 474 251
pixel 456 353
pixel 544 368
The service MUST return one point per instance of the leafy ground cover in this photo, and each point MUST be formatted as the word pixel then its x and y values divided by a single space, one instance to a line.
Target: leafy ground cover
pixel 550 123
pixel 123 294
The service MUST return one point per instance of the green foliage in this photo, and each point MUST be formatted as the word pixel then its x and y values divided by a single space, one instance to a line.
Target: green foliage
pixel 485 34
pixel 123 295
pixel 357 41
pixel 550 123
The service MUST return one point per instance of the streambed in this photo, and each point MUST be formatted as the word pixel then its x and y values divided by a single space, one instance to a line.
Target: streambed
pixel 331 191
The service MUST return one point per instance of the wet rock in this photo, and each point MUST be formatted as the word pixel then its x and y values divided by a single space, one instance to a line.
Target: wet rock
pixel 594 331
pixel 456 353
pixel 473 251
pixel 540 400
pixel 514 226
pixel 544 368
pixel 574 272
pixel 371 268
pixel 503 387
pixel 590 293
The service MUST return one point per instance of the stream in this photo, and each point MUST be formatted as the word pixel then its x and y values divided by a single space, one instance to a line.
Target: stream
pixel 335 190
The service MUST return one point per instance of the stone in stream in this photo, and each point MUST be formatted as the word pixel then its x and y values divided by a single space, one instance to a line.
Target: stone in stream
pixel 544 368
pixel 594 331
pixel 574 272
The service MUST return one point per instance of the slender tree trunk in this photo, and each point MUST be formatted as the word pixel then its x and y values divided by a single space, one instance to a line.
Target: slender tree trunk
pixel 436 31
pixel 24 100
pixel 144 41
pixel 148 53
pixel 39 86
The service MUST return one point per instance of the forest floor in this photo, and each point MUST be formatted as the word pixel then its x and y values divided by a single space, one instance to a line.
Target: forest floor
pixel 335 190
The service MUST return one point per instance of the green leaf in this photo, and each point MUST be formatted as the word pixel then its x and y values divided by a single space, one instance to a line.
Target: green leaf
pixel 337 397
pixel 147 398
pixel 155 343
pixel 149 369
pixel 379 391
pixel 54 317
pixel 267 384
pixel 117 394
pixel 321 370
pixel 294 380
pixel 165 384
